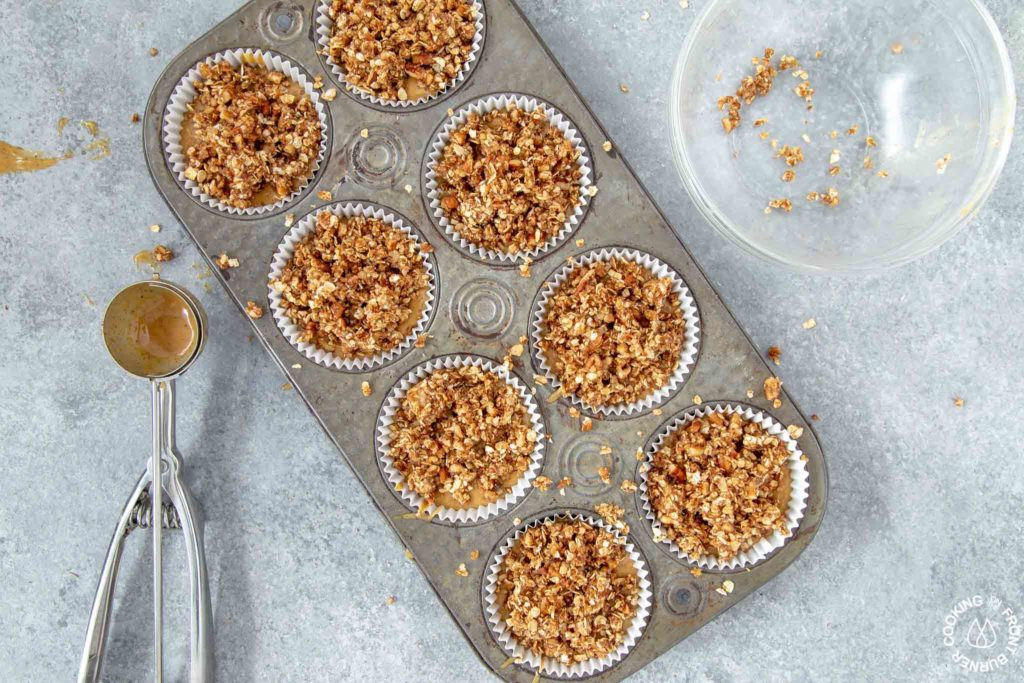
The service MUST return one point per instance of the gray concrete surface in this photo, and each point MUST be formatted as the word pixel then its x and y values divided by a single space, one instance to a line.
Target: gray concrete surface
pixel 926 501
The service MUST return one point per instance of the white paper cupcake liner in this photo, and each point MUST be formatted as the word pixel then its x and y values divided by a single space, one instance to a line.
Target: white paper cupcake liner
pixel 799 486
pixel 414 500
pixel 483 106
pixel 551 667
pixel 325 27
pixel 691 331
pixel 185 92
pixel 291 331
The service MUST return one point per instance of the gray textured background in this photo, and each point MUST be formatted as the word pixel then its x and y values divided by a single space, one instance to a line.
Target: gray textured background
pixel 926 501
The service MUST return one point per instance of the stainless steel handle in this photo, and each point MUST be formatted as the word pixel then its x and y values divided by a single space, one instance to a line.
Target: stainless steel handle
pixel 99 620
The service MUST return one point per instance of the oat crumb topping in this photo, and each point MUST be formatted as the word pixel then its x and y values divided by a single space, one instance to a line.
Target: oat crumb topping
pixel 613 332
pixel 568 591
pixel 715 485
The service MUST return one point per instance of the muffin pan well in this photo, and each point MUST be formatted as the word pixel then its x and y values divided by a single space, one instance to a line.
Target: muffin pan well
pixel 380 156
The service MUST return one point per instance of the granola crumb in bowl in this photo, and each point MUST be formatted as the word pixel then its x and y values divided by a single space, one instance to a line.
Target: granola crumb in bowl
pixel 460 438
pixel 616 330
pixel 352 286
pixel 585 621
pixel 508 178
pixel 892 116
pixel 724 486
pixel 224 148
pixel 400 53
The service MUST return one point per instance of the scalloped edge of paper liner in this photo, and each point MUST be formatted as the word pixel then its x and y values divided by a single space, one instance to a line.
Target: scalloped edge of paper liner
pixel 490 103
pixel 284 253
pixel 459 515
pixel 324 29
pixel 549 667
pixel 799 487
pixel 691 329
pixel 185 92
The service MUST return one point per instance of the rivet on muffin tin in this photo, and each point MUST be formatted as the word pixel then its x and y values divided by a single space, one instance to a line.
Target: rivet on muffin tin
pixel 691 331
pixel 185 92
pixel 284 253
pixel 548 667
pixel 325 27
pixel 799 486
pixel 413 500
pixel 483 105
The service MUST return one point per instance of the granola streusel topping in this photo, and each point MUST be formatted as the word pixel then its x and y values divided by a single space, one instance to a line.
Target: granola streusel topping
pixel 252 136
pixel 354 286
pixel 613 332
pixel 461 437
pixel 719 485
pixel 568 591
pixel 508 180
pixel 401 49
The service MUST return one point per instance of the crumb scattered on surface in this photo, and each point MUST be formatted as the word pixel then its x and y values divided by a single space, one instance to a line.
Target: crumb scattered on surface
pixel 365 388
pixel 224 262
pixel 401 49
pixel 253 310
pixel 775 354
pixel 795 432
pixel 941 164
pixel 810 323
pixel 958 402
pixel 154 228
pixel 324 195
pixel 896 48
pixel 604 474
pixel 162 254
pixel 791 155
pixel 772 388
pixel 714 486
pixel 461 570
pixel 628 485
pixel 508 180
pixel 606 146
pixel 474 555
pixel 543 483
pixel 612 332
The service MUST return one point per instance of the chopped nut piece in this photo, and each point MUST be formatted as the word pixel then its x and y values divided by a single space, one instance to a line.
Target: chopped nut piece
pixel 153 52
pixel 610 513
pixel 958 402
pixel 564 482
pixel 830 198
pixel 136 118
pixel 461 435
pixel 772 386
pixel 607 146
pixel 775 354
pixel 574 412
pixel 605 450
pixel 408 554
pixel 224 262
pixel 421 341
pixel 696 571
pixel 366 388
pixel 896 48
pixel 639 453
pixel 604 474
pixel 289 220
pixel 508 180
pixel 833 170
pixel 461 570
pixel 795 432
pixel 852 130
pixel 882 174
pixel 613 331
pixel 154 228
pixel 784 203
pixel 253 310
pixel 750 393
pixel 524 267
pixel 791 155
pixel 788 176
pixel 870 141
pixel 760 122
pixel 868 163
pixel 834 157
pixel 354 286
pixel 474 555
pixel 540 379
pixel 586 611
pixel 623 87
pixel 364 133
pixel 728 586
pixel 809 323
pixel 324 195
pixel 580 243
pixel 628 485
pixel 813 196
pixel 162 253
pixel 941 164
pixel 543 483
pixel 715 485
pixel 697 400
pixel 251 135
pixel 318 82
pixel 787 62
pixel 592 191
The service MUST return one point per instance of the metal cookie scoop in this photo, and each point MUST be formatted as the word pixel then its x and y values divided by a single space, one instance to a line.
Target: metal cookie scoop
pixel 155 330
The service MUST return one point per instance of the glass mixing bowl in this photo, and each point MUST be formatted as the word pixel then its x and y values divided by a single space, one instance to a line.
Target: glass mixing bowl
pixel 928 80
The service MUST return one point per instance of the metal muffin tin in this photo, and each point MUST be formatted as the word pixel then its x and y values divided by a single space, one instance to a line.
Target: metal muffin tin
pixel 484 308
